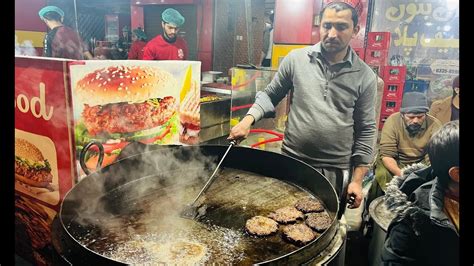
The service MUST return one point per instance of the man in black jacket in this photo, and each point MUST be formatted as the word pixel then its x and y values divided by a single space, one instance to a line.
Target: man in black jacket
pixel 426 200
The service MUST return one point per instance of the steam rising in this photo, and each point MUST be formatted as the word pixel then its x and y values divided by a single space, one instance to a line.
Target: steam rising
pixel 173 174
pixel 25 48
pixel 131 211
pixel 150 200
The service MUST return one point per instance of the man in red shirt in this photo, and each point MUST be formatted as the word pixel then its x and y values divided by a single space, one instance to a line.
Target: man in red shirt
pixel 168 46
pixel 139 42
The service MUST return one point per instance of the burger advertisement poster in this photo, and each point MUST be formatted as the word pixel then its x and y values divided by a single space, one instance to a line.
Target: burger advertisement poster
pixel 44 156
pixel 120 102
pixel 44 152
pixel 61 105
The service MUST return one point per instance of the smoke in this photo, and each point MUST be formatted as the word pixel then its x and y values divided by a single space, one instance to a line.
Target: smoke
pixel 134 215
pixel 25 48
pixel 143 193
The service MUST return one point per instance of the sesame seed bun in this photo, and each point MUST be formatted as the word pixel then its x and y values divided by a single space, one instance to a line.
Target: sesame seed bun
pixel 26 150
pixel 27 174
pixel 131 84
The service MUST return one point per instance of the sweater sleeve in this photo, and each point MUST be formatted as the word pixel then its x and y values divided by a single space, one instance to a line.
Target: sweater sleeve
pixel 365 126
pixel 265 102
pixel 389 139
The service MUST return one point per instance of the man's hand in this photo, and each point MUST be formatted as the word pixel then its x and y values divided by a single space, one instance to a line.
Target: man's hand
pixel 355 187
pixel 355 190
pixel 240 131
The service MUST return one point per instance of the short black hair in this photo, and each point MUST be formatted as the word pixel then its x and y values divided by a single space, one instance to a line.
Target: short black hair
pixel 455 84
pixel 339 6
pixel 443 150
pixel 51 15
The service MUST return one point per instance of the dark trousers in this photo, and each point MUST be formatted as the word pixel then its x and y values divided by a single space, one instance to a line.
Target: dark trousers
pixel 335 176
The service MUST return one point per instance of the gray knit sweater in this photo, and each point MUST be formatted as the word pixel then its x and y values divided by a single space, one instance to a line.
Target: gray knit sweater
pixel 331 122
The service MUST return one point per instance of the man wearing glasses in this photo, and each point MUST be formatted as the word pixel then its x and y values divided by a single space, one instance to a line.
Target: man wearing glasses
pixel 405 135
pixel 168 46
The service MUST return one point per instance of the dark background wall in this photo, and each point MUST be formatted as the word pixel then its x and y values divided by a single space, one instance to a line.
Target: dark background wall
pixel 90 18
pixel 230 22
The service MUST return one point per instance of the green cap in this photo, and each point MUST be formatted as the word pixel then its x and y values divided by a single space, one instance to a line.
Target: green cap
pixel 140 34
pixel 47 9
pixel 173 17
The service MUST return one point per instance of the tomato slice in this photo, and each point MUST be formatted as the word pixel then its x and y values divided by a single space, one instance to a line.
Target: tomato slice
pixel 156 138
pixel 192 126
pixel 110 147
pixel 108 159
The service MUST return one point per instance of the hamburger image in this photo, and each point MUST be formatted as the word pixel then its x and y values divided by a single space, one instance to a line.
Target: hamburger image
pixel 124 104
pixel 31 167
pixel 189 117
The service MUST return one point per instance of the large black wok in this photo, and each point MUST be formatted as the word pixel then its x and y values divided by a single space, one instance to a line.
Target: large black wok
pixel 111 215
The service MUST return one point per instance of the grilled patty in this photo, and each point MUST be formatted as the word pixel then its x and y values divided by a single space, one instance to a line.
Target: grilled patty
pixel 261 226
pixel 38 175
pixel 318 221
pixel 286 215
pixel 309 205
pixel 125 117
pixel 298 234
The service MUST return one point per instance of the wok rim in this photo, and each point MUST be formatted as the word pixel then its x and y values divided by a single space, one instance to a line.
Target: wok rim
pixel 98 173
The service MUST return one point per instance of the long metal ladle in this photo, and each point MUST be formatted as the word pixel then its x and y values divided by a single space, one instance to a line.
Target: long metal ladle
pixel 190 211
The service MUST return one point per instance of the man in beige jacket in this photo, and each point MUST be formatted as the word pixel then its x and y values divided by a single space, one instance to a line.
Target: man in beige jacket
pixel 447 109
pixel 404 137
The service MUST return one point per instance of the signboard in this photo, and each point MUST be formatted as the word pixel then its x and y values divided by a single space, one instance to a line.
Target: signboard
pixel 123 101
pixel 44 158
pixel 425 37
pixel 61 104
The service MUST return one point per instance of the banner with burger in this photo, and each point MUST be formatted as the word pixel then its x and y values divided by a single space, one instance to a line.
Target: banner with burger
pixel 45 165
pixel 119 102
pixel 36 171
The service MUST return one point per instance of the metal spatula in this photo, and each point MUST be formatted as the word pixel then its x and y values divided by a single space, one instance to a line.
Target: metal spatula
pixel 191 210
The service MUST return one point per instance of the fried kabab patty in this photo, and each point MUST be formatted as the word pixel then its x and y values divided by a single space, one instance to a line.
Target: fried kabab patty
pixel 309 205
pixel 286 215
pixel 261 226
pixel 319 221
pixel 298 234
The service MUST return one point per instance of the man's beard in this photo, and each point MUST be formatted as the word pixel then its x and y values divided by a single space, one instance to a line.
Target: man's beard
pixel 169 39
pixel 413 129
